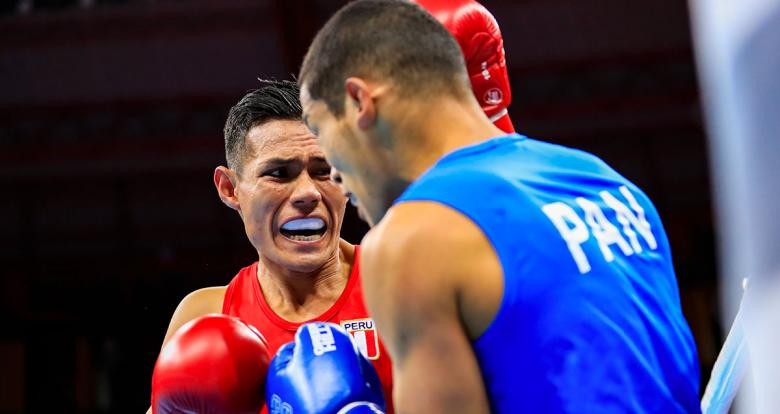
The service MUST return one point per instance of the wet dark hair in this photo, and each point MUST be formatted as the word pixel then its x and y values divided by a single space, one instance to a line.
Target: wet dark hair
pixel 273 100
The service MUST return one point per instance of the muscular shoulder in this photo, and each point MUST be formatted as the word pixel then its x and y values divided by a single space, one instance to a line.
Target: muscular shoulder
pixel 425 234
pixel 396 243
pixel 425 254
pixel 198 303
pixel 205 300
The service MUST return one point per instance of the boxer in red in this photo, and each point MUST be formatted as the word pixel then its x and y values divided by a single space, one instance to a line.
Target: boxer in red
pixel 278 181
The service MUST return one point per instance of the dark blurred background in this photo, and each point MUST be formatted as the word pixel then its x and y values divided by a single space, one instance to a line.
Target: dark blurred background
pixel 110 127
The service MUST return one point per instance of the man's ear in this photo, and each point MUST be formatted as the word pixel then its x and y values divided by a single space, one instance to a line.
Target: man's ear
pixel 226 180
pixel 359 95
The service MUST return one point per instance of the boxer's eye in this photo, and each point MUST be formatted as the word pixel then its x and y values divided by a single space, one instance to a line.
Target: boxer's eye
pixel 279 172
pixel 322 172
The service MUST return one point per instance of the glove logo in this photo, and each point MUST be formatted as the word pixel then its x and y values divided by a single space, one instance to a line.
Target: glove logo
pixel 278 406
pixel 493 96
pixel 363 331
pixel 485 71
pixel 321 338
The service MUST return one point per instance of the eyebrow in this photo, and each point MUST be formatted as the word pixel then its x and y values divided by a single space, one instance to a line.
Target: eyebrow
pixel 280 160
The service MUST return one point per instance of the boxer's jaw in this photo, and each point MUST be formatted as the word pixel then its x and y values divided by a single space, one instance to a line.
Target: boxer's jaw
pixel 285 180
pixel 362 166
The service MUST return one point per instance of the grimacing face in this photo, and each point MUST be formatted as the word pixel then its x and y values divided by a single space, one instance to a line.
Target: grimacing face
pixel 292 210
pixel 354 161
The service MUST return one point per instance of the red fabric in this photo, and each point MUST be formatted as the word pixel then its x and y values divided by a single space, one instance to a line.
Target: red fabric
pixel 505 124
pixel 244 299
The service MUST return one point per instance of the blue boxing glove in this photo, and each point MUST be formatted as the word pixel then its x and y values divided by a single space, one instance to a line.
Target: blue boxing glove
pixel 322 372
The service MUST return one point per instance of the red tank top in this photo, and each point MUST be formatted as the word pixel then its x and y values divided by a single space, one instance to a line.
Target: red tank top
pixel 244 299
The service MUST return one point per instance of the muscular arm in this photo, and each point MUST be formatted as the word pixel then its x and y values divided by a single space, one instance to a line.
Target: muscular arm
pixel 432 283
pixel 198 303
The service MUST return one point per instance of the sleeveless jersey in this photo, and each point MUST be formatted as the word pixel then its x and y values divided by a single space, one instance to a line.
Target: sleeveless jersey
pixel 590 319
pixel 244 299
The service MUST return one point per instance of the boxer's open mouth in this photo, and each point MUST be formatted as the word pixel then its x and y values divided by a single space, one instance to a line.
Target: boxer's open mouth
pixel 304 229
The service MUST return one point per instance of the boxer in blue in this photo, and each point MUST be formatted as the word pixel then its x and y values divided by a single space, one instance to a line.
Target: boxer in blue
pixel 505 274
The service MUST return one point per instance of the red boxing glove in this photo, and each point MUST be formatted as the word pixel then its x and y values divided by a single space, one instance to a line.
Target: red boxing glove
pixel 215 364
pixel 479 37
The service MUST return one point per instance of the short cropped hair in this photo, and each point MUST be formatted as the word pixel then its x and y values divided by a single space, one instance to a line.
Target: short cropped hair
pixel 273 100
pixel 392 40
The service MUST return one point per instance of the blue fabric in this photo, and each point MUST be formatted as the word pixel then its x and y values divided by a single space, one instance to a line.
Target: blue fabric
pixel 590 320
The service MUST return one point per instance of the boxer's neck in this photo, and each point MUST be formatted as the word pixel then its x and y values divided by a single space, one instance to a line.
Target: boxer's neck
pixel 300 296
pixel 437 128
pixel 417 133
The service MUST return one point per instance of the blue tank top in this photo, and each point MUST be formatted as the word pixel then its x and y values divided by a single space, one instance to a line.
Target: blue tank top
pixel 590 320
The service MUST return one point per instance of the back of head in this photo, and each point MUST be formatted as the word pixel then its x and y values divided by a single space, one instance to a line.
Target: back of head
pixel 392 41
